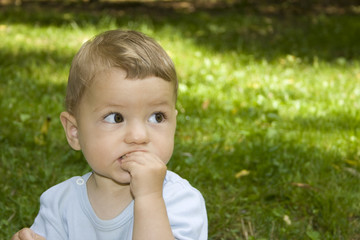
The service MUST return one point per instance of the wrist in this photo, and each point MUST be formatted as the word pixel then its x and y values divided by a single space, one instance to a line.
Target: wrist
pixel 150 218
pixel 149 197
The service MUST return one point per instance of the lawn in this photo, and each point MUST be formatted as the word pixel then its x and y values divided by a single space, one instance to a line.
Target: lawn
pixel 268 125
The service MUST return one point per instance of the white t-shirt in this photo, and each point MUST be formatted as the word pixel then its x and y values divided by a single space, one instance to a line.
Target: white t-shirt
pixel 66 213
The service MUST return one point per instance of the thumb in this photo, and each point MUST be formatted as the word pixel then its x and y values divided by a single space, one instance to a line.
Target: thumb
pixel 128 165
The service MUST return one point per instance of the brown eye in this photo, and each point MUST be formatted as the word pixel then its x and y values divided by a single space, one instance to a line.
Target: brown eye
pixel 114 118
pixel 157 117
pixel 118 118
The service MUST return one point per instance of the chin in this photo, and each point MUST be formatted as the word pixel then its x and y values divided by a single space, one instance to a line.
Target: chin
pixel 122 179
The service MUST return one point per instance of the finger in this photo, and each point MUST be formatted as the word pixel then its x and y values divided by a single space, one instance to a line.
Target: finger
pixel 135 155
pixel 137 167
pixel 129 165
pixel 134 165
pixel 139 158
pixel 143 158
pixel 24 234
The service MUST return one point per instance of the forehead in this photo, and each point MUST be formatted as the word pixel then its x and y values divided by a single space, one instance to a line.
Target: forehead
pixel 101 76
pixel 114 86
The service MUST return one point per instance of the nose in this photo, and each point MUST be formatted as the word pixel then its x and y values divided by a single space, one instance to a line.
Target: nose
pixel 136 133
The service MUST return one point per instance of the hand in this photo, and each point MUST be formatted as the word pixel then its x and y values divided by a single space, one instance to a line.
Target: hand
pixel 147 173
pixel 27 234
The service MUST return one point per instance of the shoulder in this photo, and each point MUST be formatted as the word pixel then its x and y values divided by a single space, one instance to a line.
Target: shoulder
pixel 175 185
pixel 63 191
pixel 185 207
pixel 55 205
pixel 178 191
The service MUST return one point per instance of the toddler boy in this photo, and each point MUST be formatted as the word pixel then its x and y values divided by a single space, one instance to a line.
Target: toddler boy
pixel 121 114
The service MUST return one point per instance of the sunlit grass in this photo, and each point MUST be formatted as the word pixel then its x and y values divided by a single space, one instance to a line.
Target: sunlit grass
pixel 268 125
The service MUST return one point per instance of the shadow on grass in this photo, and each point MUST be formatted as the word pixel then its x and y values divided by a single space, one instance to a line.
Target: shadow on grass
pixel 274 161
pixel 285 176
pixel 263 36
pixel 275 164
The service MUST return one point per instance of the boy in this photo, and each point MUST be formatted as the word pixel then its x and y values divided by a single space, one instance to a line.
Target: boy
pixel 121 114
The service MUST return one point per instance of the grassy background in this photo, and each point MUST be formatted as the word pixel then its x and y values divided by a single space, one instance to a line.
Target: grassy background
pixel 268 125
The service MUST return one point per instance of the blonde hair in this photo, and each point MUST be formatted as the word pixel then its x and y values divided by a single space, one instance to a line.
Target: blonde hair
pixel 137 54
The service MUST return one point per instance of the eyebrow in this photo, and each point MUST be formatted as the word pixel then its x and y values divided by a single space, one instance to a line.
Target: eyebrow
pixel 159 103
pixel 110 105
pixel 155 103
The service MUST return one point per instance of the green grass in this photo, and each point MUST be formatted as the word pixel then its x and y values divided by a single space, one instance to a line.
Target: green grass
pixel 277 96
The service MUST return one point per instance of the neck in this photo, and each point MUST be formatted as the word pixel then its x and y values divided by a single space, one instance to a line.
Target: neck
pixel 107 198
pixel 107 186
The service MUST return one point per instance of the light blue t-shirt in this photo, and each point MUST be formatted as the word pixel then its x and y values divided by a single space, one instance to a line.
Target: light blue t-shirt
pixel 66 213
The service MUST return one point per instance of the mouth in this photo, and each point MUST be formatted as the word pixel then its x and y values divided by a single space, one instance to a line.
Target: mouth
pixel 125 155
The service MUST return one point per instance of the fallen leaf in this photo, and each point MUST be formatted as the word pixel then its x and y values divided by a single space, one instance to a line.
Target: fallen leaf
pixel 3 27
pixel 45 126
pixel 304 185
pixel 205 104
pixel 301 185
pixel 242 173
pixel 41 137
pixel 287 220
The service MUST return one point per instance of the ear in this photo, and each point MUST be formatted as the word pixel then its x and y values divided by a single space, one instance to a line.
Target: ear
pixel 71 129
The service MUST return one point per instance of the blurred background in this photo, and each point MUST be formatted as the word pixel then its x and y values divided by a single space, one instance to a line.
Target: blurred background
pixel 269 96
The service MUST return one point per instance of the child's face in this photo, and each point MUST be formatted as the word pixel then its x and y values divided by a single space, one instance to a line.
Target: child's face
pixel 118 116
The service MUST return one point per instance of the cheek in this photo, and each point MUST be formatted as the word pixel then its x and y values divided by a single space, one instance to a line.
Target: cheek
pixel 92 138
pixel 95 148
pixel 93 155
pixel 169 154
pixel 166 148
